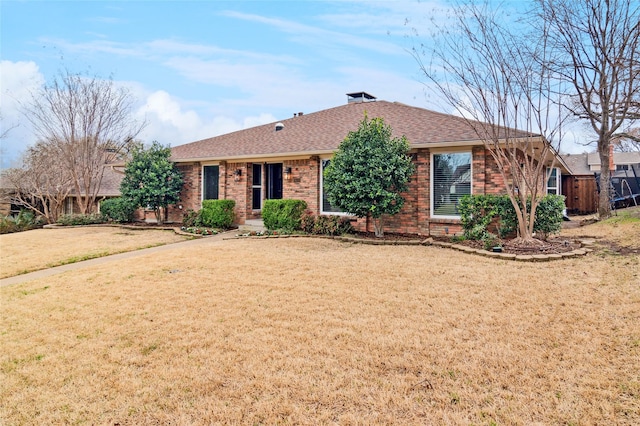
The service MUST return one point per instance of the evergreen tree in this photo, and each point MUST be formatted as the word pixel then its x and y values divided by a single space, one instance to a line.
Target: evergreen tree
pixel 152 180
pixel 369 172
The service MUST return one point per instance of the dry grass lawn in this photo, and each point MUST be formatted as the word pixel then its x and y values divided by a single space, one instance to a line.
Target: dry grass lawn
pixel 315 331
pixel 37 249
pixel 622 229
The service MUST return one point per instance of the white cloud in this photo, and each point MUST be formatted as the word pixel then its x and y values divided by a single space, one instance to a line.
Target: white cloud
pixel 169 122
pixel 318 38
pixel 18 81
pixel 392 17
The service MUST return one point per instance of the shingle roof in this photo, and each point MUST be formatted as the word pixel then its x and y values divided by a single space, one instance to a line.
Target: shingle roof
pixel 322 132
pixel 110 184
pixel 577 164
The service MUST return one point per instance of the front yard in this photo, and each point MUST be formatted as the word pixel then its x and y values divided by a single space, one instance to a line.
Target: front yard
pixel 315 331
pixel 37 249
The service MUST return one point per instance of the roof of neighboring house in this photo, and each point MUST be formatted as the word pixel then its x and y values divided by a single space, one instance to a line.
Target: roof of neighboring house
pixel 618 158
pixel 321 132
pixel 110 185
pixel 577 164
pixel 582 164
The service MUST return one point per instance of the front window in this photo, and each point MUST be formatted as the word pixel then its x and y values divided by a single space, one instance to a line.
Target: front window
pixel 327 208
pixel 451 179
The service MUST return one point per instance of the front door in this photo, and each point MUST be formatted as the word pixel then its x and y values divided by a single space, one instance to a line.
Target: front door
pixel 274 181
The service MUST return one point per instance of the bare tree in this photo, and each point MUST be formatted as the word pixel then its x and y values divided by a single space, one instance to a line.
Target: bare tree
pixel 87 122
pixel 598 44
pixel 628 141
pixel 497 80
pixel 4 130
pixel 42 183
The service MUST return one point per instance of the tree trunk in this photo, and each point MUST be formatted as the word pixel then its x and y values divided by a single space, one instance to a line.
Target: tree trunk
pixel 158 213
pixel 378 227
pixel 604 201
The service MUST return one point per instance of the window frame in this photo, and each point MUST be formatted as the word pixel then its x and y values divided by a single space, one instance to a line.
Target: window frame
pixel 259 186
pixel 558 185
pixel 203 183
pixel 433 153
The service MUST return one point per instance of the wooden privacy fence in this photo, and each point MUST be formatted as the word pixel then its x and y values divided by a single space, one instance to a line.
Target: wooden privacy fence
pixel 581 194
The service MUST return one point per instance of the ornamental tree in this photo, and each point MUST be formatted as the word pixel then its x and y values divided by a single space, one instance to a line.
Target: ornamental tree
pixel 83 123
pixel 368 173
pixel 152 180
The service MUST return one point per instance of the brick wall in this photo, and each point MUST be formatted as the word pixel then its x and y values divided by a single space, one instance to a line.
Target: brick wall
pixel 189 195
pixel 304 184
pixel 236 187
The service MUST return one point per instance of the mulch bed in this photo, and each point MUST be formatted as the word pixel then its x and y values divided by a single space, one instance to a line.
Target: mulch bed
pixel 515 246
pixel 555 245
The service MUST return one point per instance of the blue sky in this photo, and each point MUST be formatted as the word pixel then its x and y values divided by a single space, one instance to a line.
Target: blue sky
pixel 203 68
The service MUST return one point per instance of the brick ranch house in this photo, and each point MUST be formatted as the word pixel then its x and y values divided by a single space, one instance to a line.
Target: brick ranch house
pixel 286 159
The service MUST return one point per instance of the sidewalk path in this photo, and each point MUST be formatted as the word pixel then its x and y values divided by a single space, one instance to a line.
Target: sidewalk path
pixel 18 279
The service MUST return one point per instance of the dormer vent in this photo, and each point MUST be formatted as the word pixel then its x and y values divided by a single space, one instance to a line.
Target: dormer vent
pixel 360 97
pixel 279 126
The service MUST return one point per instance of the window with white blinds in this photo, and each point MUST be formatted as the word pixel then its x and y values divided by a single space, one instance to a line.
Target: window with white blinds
pixel 451 179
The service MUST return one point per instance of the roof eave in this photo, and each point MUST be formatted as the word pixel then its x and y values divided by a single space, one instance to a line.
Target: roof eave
pixel 255 157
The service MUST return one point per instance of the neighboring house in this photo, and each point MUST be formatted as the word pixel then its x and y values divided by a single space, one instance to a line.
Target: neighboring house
pixel 620 161
pixel 109 187
pixel 7 205
pixel 580 186
pixel 286 159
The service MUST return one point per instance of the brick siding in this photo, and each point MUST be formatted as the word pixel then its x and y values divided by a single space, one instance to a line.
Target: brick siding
pixel 304 184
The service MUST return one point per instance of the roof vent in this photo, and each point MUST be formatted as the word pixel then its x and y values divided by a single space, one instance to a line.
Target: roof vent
pixel 360 97
pixel 279 126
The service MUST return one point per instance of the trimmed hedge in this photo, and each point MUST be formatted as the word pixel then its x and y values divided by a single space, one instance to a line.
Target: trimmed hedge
pixel 192 218
pixel 326 224
pixel 283 214
pixel 80 219
pixel 478 212
pixel 118 209
pixel 217 213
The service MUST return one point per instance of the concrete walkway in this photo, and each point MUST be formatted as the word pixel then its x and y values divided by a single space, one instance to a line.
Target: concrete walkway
pixel 18 279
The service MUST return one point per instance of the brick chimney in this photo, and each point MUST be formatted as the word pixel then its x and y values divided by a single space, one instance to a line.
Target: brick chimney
pixel 612 165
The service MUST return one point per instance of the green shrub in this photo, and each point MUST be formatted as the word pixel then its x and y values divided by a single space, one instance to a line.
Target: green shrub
pixel 508 222
pixel 549 215
pixel 118 209
pixel 283 214
pixel 478 212
pixel 8 225
pixel 326 225
pixel 217 213
pixel 192 218
pixel 307 222
pixel 25 221
pixel 80 219
pixel 489 241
